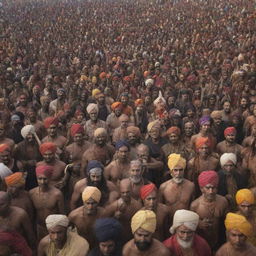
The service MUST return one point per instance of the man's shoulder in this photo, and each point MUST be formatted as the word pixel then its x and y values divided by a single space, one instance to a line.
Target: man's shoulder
pixel 75 213
pixel 161 248
pixel 128 247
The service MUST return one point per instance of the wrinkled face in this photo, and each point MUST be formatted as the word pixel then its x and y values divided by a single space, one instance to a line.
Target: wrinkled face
pixel 150 202
pixel 173 138
pixel 171 100
pixel 230 137
pixel 42 181
pixel 185 236
pixel 123 153
pixel 93 115
pixel 142 239
pixel 48 156
pixel 136 174
pixel 90 206
pixel 124 123
pixel 58 235
pixel 143 154
pixel 107 247
pixel 52 130
pixel 189 129
pixel 177 174
pixel 154 133
pixel 209 192
pixel 118 112
pixel 78 138
pixel 125 192
pixel 101 140
pixel 5 157
pixel 228 166
pixel 132 139
pixel 246 208
pixel 236 239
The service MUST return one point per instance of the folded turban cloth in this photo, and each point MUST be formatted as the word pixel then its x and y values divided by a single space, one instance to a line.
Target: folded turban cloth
pixel 50 121
pixel 61 90
pixel 91 192
pixel 92 107
pixel 122 143
pixel 95 167
pixel 15 118
pixel 146 190
pixel 107 229
pixel 202 141
pixel 138 102
pixel 203 120
pixel 55 220
pixel 144 219
pixel 15 179
pixel 184 217
pixel 95 92
pixel 228 157
pixel 133 129
pixel 116 105
pixel 4 171
pixel 216 114
pixel 176 160
pixel 45 170
pixel 123 118
pixel 238 222
pixel 103 75
pixel 99 132
pixel 245 195
pixel 48 146
pixel 208 177
pixel 149 81
pixel 26 130
pixel 154 124
pixel 4 147
pixel 160 99
pixel 173 129
pixel 76 128
pixel 230 131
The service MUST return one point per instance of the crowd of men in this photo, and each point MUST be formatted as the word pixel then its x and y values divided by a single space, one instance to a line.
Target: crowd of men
pixel 127 127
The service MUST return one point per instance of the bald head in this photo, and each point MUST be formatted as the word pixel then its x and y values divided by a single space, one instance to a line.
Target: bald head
pixel 125 189
pixel 143 152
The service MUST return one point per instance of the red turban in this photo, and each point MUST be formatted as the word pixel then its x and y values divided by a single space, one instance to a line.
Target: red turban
pixel 103 75
pixel 146 190
pixel 48 146
pixel 138 102
pixel 50 120
pixel 202 141
pixel 208 177
pixel 173 129
pixel 46 170
pixel 230 130
pixel 4 147
pixel 116 105
pixel 76 128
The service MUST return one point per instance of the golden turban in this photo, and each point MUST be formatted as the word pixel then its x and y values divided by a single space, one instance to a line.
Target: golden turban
pixel 245 195
pixel 153 125
pixel 144 219
pixel 176 160
pixel 239 222
pixel 95 92
pixel 99 132
pixel 91 192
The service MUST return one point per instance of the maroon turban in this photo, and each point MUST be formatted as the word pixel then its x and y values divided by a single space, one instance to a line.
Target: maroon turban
pixel 76 128
pixel 208 177
pixel 230 130
pixel 46 170
pixel 50 120
pixel 173 129
pixel 146 190
pixel 48 146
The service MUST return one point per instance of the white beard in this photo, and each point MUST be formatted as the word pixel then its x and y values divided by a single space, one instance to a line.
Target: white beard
pixel 184 244
pixel 177 180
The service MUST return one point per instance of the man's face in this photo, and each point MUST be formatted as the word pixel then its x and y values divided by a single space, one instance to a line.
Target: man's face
pixel 58 235
pixel 125 192
pixel 95 179
pixel 206 127
pixel 30 137
pixel 124 123
pixel 118 112
pixel 100 140
pixel 14 190
pixel 209 192
pixel 132 139
pixel 32 115
pixel 173 138
pixel 78 138
pixel 52 130
pixel 142 239
pixel 143 155
pixel 204 150
pixel 5 157
pixel 135 174
pixel 150 202
pixel 93 115
pixel 2 131
pixel 154 133
pixel 90 206
pixel 217 121
pixel 42 181
pixel 243 103
pixel 123 153
pixel 124 100
pixel 61 95
pixel 228 166
pixel 189 129
pixel 101 100
pixel 246 208
pixel 185 236
pixel 227 107
pixel 23 100
pixel 236 239
pixel 230 138
pixel 48 156
pixel 177 174
pixel 107 247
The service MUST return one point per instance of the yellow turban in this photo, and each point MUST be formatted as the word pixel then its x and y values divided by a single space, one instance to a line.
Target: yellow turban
pixel 153 124
pixel 245 195
pixel 144 219
pixel 94 79
pixel 91 192
pixel 176 160
pixel 239 222
pixel 95 92
pixel 100 131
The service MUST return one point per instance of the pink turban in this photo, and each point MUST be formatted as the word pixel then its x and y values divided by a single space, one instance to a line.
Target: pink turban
pixel 50 120
pixel 76 128
pixel 229 131
pixel 208 177
pixel 48 146
pixel 46 170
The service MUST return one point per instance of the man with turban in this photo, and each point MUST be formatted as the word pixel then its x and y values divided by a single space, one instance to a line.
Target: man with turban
pixel 238 230
pixel 94 122
pixel 84 217
pixel 149 197
pixel 107 232
pixel 218 125
pixel 126 109
pixel 103 108
pixel 177 192
pixel 184 240
pixel 119 167
pixel 61 241
pixel 46 198
pixel 3 137
pixel 4 172
pixel 245 200
pixel 133 138
pixel 120 133
pixel 143 226
pixel 211 209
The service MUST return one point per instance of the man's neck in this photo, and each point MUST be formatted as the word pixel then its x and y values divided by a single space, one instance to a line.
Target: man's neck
pixel 43 189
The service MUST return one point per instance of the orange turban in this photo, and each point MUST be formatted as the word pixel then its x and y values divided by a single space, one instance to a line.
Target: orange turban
pixel 15 179
pixel 173 129
pixel 50 120
pixel 46 170
pixel 116 105
pixel 245 195
pixel 146 190
pixel 48 146
pixel 103 75
pixel 76 128
pixel 202 141
pixel 133 129
pixel 229 131
pixel 138 102
pixel 4 147
pixel 208 177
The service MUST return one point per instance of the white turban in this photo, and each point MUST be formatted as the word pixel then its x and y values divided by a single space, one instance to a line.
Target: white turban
pixel 91 107
pixel 228 157
pixel 184 217
pixel 26 130
pixel 159 99
pixel 4 171
pixel 149 81
pixel 55 220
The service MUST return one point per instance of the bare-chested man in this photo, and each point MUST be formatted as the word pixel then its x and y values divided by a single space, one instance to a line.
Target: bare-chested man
pixel 84 217
pixel 211 209
pixel 189 130
pixel 119 167
pixel 3 138
pixel 46 198
pixel 120 133
pixel 247 142
pixel 143 226
pixel 133 137
pixel 178 192
pixel 113 118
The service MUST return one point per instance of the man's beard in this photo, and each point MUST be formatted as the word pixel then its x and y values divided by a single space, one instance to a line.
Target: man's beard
pixel 143 246
pixel 177 180
pixel 185 244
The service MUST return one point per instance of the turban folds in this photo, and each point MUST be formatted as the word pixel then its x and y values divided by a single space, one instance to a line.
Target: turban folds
pixel 216 114
pixel 203 120
pixel 122 143
pixel 92 107
pixel 144 219
pixel 55 220
pixel 50 121
pixel 45 170
pixel 238 222
pixel 184 217
pixel 173 129
pixel 76 128
pixel 4 147
pixel 133 129
pixel 48 146
pixel 230 131
pixel 154 124
pixel 202 141
pixel 176 160
pixel 208 177
pixel 245 195
pixel 26 130
pixel 99 132
pixel 228 157
pixel 95 167
pixel 91 192
pixel 138 102
pixel 4 171
pixel 95 92
pixel 116 105
pixel 146 190
pixel 15 179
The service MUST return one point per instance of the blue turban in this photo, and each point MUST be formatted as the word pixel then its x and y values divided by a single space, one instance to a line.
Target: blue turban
pixel 204 119
pixel 122 143
pixel 93 164
pixel 107 229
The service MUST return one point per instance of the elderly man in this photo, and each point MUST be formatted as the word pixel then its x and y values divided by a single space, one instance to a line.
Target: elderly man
pixel 46 198
pixel 113 118
pixel 184 241
pixel 238 230
pixel 211 209
pixel 107 232
pixel 60 241
pixel 143 226
pixel 245 200
pixel 189 130
pixel 133 138
pixel 120 133
pixel 178 192
pixel 84 217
